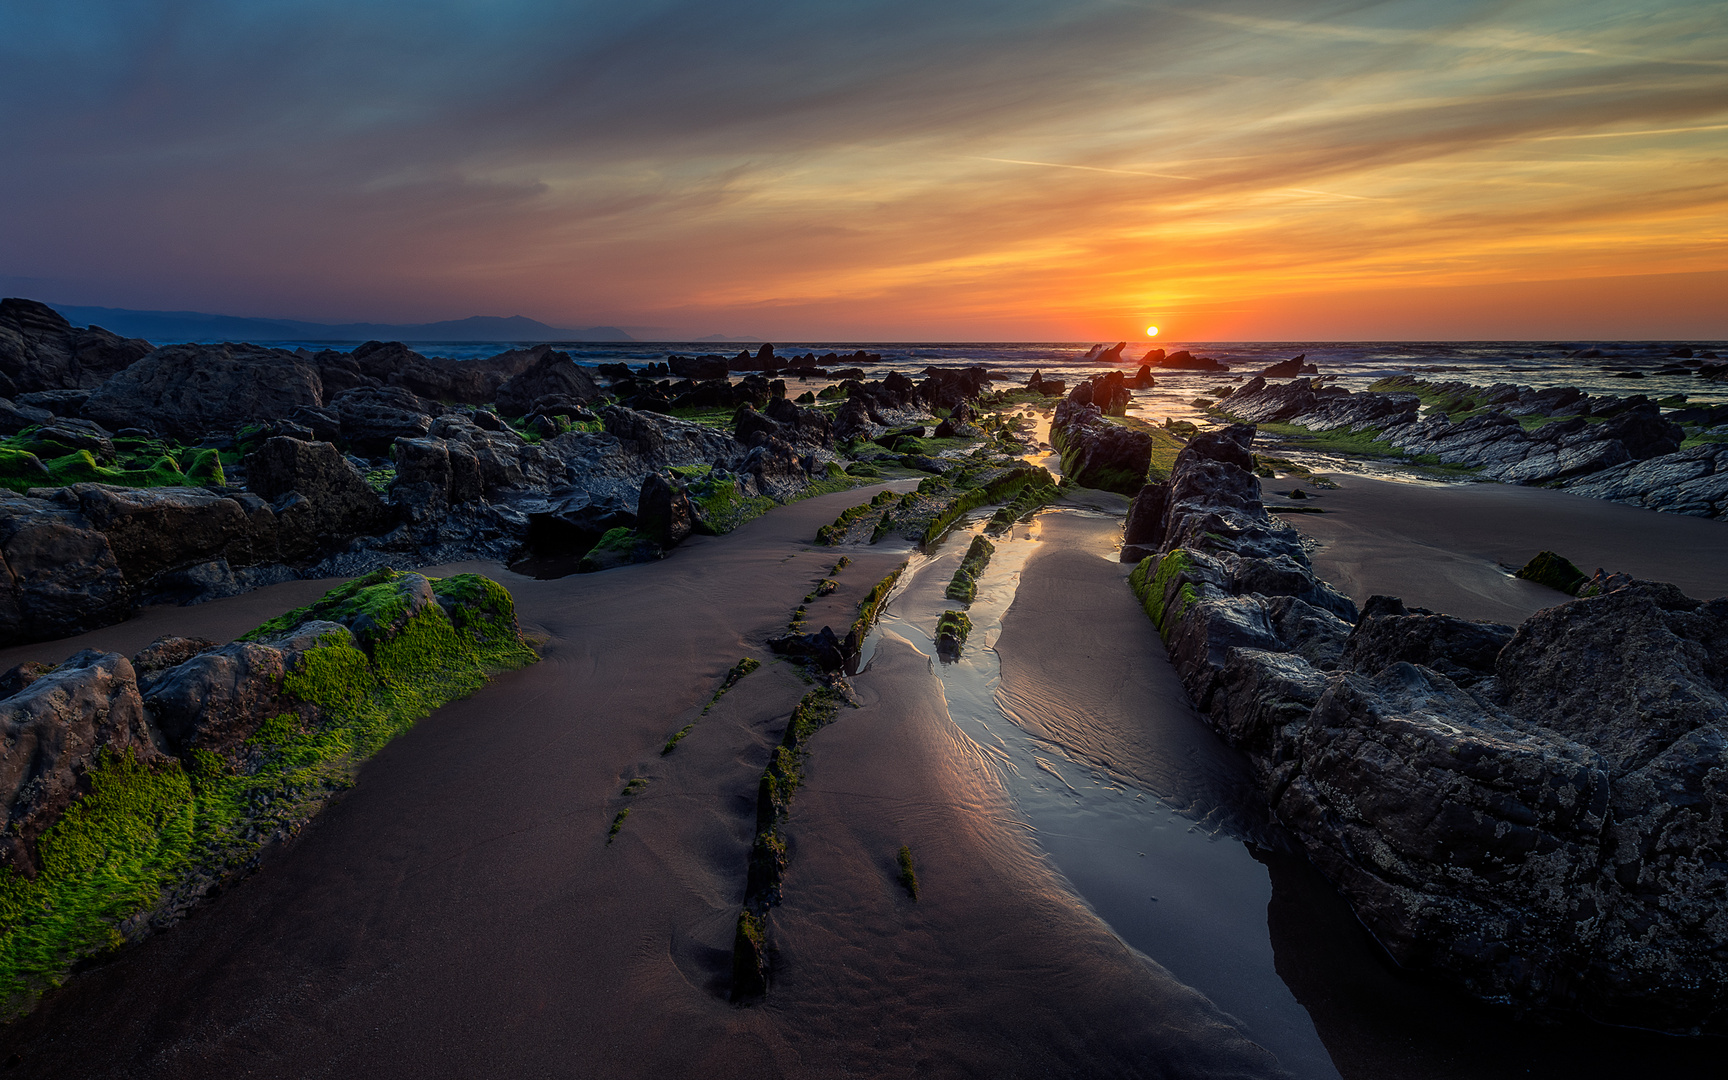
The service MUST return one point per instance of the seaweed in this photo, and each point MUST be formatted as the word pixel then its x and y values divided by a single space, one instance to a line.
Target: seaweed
pixel 1554 571
pixel 908 875
pixel 964 586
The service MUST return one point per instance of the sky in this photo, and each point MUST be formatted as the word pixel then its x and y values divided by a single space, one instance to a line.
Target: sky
pixel 879 170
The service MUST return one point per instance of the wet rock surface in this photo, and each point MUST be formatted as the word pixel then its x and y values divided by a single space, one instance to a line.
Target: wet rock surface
pixel 1533 814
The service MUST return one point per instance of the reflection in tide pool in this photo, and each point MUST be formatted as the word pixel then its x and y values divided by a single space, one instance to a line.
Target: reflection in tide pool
pixel 1161 870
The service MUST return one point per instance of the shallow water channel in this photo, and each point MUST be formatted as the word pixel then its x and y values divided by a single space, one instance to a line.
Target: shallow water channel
pixel 1180 862
pixel 1161 868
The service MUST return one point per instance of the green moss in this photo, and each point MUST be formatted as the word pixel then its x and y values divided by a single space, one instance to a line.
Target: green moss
pixel 676 738
pixel 952 630
pixel 737 671
pixel 908 874
pixel 634 786
pixel 964 585
pixel 150 831
pixel 990 492
pixel 1151 581
pixel 1555 572
pixel 871 607
pixel 617 824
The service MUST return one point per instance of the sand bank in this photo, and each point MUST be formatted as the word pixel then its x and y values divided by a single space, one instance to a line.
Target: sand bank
pixel 1448 546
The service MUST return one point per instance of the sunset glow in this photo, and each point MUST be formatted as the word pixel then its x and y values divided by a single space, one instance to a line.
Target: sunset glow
pixel 979 171
pixel 1151 331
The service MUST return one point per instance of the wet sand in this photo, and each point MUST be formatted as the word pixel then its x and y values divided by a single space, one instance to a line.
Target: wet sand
pixel 460 913
pixel 1451 547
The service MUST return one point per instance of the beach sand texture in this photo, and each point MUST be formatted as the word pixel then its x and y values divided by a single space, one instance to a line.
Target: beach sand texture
pixel 461 913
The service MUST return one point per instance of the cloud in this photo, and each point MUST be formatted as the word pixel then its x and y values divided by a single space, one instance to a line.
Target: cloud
pixel 895 164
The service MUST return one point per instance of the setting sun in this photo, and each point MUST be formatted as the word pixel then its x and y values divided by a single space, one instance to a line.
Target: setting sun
pixel 1151 331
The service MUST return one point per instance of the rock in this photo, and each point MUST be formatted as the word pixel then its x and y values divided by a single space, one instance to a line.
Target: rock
pixel 373 418
pixel 1142 379
pixel 948 388
pixel 1555 572
pixel 58 402
pixel 1289 369
pixel 1144 531
pixel 1048 387
pixel 432 475
pixel 853 421
pixel 1099 454
pixel 1100 354
pixel 40 350
pixel 800 426
pixel 471 382
pixel 216 699
pixel 775 470
pixel 61 577
pixel 1183 360
pixel 63 435
pixel 17 677
pixel 152 530
pixel 51 734
pixel 319 499
pixel 187 391
pixel 698 367
pixel 15 418
pixel 165 653
pixel 1459 649
pixel 663 513
pixel 554 375
pixel 825 650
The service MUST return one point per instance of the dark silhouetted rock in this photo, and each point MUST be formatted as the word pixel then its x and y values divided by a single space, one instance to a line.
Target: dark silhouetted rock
pixel 319 499
pixel 373 418
pixel 187 391
pixel 663 513
pixel 554 375
pixel 698 367
pixel 61 577
pixel 40 350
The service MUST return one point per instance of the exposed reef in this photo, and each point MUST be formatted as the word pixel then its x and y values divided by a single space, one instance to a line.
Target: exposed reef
pixel 1534 814
pixel 1622 449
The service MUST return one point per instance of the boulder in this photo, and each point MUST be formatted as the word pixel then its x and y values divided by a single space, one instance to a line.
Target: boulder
pixel 188 391
pixel 1460 649
pixel 663 513
pixel 216 699
pixel 698 367
pixel 801 426
pixel 52 733
pixel 60 574
pixel 373 418
pixel 1144 531
pixel 1290 369
pixel 553 375
pixel 1183 360
pixel 167 652
pixel 1099 454
pixel 823 649
pixel 152 530
pixel 319 499
pixel 40 350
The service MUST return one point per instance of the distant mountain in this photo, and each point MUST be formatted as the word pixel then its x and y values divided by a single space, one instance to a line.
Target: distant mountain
pixel 723 337
pixel 165 327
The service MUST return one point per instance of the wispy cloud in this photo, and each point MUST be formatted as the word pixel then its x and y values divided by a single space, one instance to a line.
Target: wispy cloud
pixel 876 168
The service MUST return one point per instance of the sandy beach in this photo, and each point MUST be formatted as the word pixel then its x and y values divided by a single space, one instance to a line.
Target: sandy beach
pixel 460 912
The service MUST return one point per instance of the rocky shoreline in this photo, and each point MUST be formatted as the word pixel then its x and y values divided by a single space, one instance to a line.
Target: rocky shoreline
pixel 1623 449
pixel 186 473
pixel 1531 813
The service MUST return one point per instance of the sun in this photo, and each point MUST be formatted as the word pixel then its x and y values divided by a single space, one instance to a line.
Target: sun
pixel 1151 331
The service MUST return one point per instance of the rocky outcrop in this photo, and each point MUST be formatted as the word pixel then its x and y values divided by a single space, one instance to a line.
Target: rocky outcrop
pixel 61 576
pixel 1530 814
pixel 1096 453
pixel 317 498
pixel 471 382
pixel 1290 369
pixel 1183 360
pixel 553 379
pixel 40 350
pixel 187 391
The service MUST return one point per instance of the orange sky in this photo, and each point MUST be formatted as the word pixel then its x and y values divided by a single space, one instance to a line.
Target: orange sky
pixel 879 171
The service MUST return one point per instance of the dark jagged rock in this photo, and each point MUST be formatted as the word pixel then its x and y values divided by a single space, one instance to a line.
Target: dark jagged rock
pixel 162 654
pixel 1459 649
pixel 216 698
pixel 155 530
pixel 61 577
pixel 663 513
pixel 1532 815
pixel 1554 571
pixel 698 367
pixel 1183 360
pixel 187 391
pixel 40 350
pixel 1290 369
pixel 373 418
pixel 1099 454
pixel 553 375
pixel 433 474
pixel 823 649
pixel 800 426
pixel 66 403
pixel 1048 387
pixel 471 382
pixel 319 500
pixel 1142 379
pixel 1144 531
pixel 950 388
pixel 1099 354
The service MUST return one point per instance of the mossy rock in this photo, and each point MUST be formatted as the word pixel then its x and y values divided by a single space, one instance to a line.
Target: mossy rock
pixel 951 632
pixel 148 838
pixel 619 547
pixel 1554 571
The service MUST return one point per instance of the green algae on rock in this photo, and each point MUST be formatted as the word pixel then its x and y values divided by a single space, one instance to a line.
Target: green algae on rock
pixel 964 586
pixel 151 832
pixel 1554 571
pixel 951 632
